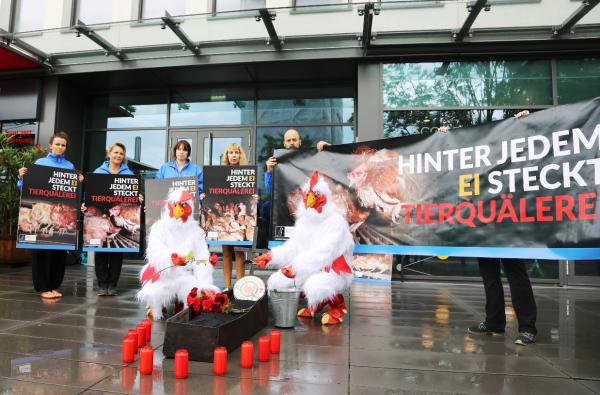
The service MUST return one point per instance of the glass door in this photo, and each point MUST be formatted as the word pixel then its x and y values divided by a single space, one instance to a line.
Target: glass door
pixel 208 145
pixel 583 272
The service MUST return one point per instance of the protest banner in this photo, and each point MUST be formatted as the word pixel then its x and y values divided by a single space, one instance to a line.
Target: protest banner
pixel 157 191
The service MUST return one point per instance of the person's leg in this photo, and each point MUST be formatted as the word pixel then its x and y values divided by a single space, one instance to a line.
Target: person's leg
pixel 240 259
pixel 227 264
pixel 521 292
pixel 57 267
pixel 101 269
pixel 40 273
pixel 114 271
pixel 495 317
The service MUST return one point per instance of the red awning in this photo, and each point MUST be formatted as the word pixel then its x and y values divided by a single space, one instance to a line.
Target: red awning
pixel 11 60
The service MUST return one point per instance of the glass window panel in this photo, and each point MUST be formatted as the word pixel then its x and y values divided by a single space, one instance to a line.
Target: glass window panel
pixel 93 11
pixel 218 148
pixel 149 154
pixel 127 111
pixel 270 138
pixel 578 79
pixel 405 123
pixel 212 107
pixel 29 15
pixel 302 3
pixel 157 8
pixel 587 268
pixel 472 84
pixel 305 111
pixel 239 5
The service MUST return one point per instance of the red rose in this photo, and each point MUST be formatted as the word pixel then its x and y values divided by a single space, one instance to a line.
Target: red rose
pixel 206 305
pixel 214 259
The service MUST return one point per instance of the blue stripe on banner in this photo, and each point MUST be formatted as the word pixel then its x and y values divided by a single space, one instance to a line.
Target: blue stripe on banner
pixel 44 247
pixel 504 252
pixel 228 243
pixel 105 249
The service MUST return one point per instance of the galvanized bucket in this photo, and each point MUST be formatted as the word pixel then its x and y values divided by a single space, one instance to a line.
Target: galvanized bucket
pixel 284 304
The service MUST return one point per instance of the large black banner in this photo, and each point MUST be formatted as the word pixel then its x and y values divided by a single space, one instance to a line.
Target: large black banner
pixel 112 220
pixel 523 187
pixel 49 209
pixel 229 208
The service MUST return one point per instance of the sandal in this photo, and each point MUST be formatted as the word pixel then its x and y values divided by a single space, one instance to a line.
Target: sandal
pixel 47 295
pixel 56 293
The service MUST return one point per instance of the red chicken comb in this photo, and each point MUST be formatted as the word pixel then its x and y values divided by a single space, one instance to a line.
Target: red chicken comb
pixel 185 196
pixel 314 178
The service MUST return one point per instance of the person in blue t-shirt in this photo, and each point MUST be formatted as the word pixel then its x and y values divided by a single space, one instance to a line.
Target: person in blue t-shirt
pixel 181 166
pixel 107 265
pixel 48 266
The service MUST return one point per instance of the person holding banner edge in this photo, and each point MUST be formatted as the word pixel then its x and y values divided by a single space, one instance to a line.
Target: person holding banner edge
pixel 522 297
pixel 108 265
pixel 48 266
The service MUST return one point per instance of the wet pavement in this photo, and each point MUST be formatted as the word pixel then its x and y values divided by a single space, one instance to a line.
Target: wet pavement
pixel 404 338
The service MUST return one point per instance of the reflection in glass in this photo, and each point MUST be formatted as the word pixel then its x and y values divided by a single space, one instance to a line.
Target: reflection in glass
pixel 474 84
pixel 268 139
pixel 193 107
pixel 127 111
pixel 94 11
pixel 238 5
pixel 305 111
pixel 587 268
pixel 405 123
pixel 145 148
pixel 29 15
pixel 157 8
pixel 578 79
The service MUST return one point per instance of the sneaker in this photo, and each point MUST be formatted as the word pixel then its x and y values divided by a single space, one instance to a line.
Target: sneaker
pixel 482 328
pixel 525 338
pixel 103 292
pixel 111 292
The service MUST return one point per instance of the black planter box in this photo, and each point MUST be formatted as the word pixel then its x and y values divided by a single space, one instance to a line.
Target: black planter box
pixel 202 334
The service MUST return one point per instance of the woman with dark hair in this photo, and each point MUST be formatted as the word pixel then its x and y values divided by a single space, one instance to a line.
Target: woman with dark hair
pixel 181 166
pixel 48 267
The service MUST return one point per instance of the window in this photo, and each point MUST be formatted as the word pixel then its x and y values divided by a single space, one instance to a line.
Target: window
pixel 156 8
pixel 29 15
pixel 306 3
pixel 578 79
pixel 93 11
pixel 238 5
pixel 212 107
pixel 128 111
pixel 467 84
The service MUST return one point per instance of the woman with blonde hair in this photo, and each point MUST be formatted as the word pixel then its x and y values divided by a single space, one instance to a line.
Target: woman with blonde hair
pixel 234 155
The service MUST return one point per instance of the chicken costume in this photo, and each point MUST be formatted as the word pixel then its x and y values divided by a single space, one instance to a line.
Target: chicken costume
pixel 317 257
pixel 177 256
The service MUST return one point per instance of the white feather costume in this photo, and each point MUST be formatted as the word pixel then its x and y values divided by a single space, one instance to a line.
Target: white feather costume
pixel 319 253
pixel 162 281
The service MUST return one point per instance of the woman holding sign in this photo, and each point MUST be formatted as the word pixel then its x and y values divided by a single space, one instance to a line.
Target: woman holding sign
pixel 234 155
pixel 48 267
pixel 108 264
pixel 181 166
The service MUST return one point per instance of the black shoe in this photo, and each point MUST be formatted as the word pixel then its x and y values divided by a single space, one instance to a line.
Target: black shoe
pixel 103 292
pixel 111 292
pixel 525 338
pixel 483 328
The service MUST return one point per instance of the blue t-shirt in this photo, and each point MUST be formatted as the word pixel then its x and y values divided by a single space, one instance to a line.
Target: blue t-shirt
pixel 103 169
pixel 170 170
pixel 268 182
pixel 51 161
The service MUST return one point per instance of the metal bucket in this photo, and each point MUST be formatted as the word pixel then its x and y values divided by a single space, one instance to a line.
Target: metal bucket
pixel 284 304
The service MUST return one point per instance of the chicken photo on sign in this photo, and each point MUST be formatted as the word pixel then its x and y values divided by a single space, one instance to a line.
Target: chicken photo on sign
pixel 49 209
pixel 156 192
pixel 113 213
pixel 229 210
pixel 373 267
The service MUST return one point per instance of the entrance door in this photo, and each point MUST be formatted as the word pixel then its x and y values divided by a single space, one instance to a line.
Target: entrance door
pixel 583 273
pixel 208 145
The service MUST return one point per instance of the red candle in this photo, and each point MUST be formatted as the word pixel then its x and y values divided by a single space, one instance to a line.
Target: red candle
pixel 247 355
pixel 148 325
pixel 146 360
pixel 275 341
pixel 128 349
pixel 141 331
pixel 263 348
pixel 181 364
pixel 132 333
pixel 220 361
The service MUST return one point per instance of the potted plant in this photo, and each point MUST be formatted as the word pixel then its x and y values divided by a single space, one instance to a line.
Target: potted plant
pixel 12 157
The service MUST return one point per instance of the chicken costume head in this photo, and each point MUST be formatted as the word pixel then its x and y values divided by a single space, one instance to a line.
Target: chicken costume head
pixel 317 257
pixel 177 256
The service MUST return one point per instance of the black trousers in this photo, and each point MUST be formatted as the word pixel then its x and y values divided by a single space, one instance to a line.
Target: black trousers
pixel 523 300
pixel 48 269
pixel 108 268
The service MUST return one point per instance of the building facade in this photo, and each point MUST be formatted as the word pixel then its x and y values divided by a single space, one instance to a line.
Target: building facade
pixel 151 72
